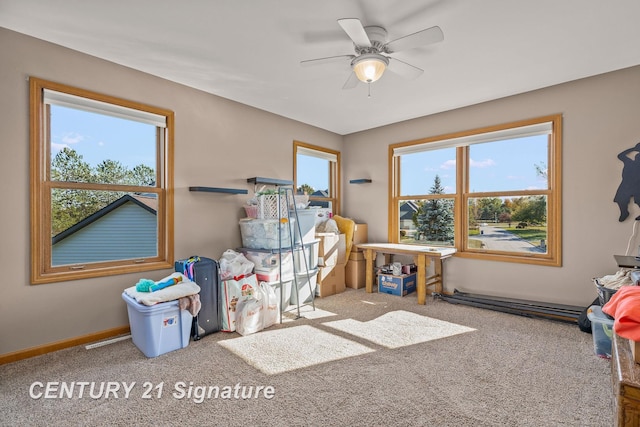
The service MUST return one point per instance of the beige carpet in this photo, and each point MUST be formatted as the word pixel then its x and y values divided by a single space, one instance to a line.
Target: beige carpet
pixel 282 350
pixel 399 328
pixel 507 371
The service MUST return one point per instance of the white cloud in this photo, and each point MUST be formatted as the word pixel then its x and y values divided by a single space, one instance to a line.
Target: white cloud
pixel 72 138
pixel 57 147
pixel 482 164
pixel 449 164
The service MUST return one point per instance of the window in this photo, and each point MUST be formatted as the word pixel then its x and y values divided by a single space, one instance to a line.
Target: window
pixel 491 193
pixel 317 174
pixel 101 184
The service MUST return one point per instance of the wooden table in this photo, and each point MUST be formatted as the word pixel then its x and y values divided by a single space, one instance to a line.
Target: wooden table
pixel 422 257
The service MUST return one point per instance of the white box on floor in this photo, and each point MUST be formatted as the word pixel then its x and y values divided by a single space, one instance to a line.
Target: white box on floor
pixel 159 328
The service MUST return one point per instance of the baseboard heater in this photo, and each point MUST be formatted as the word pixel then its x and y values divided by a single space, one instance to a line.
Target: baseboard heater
pixel 559 312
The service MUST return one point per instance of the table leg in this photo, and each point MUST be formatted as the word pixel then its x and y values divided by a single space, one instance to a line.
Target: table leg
pixel 421 279
pixel 439 276
pixel 369 256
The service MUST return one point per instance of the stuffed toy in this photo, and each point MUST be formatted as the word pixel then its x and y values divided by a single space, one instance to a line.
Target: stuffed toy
pixel 147 285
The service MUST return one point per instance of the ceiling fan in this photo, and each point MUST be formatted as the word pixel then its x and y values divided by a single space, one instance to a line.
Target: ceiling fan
pixel 372 52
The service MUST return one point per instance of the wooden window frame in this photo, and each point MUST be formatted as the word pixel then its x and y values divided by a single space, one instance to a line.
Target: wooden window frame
pixel 42 270
pixel 334 174
pixel 553 256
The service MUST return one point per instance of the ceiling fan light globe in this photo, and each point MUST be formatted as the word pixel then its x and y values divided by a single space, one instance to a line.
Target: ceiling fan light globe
pixel 369 67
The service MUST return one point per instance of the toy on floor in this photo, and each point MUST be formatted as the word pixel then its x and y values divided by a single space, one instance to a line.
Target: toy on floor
pixel 147 285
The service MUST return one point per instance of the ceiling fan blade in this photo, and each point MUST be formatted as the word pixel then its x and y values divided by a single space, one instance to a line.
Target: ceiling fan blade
pixel 354 29
pixel 421 38
pixel 351 82
pixel 327 60
pixel 403 69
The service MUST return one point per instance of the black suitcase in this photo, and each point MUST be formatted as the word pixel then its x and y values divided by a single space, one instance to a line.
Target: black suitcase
pixel 206 273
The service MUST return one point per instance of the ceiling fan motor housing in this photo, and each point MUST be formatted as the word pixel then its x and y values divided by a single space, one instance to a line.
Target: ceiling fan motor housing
pixel 377 37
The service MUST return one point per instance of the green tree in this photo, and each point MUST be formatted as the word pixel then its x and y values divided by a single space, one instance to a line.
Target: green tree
pixel 489 208
pixel 532 210
pixel 434 218
pixel 141 175
pixel 68 166
pixel 70 206
pixel 306 189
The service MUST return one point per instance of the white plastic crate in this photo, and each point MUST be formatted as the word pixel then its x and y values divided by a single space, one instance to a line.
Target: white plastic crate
pixel 268 206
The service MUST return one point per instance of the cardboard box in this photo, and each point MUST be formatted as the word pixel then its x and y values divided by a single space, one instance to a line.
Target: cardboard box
pixel 360 234
pixel 332 249
pixel 397 285
pixel 354 274
pixel 356 255
pixel 331 280
pixel 342 249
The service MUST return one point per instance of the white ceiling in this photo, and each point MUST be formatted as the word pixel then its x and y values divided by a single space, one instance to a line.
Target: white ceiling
pixel 249 50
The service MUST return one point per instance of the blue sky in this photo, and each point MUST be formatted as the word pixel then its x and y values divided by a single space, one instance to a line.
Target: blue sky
pixel 496 166
pixel 313 171
pixel 97 137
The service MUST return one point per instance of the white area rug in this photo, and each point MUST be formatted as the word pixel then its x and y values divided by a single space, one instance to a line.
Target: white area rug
pixel 282 350
pixel 399 328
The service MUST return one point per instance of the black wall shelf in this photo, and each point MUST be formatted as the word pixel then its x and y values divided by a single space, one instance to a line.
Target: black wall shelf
pixel 360 181
pixel 219 190
pixel 269 181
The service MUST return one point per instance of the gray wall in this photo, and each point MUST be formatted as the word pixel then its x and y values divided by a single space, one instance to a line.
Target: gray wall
pixel 601 119
pixel 219 143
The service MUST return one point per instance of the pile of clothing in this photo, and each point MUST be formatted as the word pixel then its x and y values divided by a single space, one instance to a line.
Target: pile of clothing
pixel 624 307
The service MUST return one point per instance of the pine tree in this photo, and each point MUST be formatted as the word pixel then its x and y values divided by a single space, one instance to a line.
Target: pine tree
pixel 434 219
pixel 70 206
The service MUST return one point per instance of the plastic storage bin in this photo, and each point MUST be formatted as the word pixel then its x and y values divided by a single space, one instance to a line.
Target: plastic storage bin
pixel 602 330
pixel 307 221
pixel 263 233
pixel 159 328
pixel 267 264
pixel 306 257
pixel 305 292
pixel 286 294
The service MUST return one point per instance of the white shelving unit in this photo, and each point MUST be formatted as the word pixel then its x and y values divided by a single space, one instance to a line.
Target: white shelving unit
pixel 285 189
